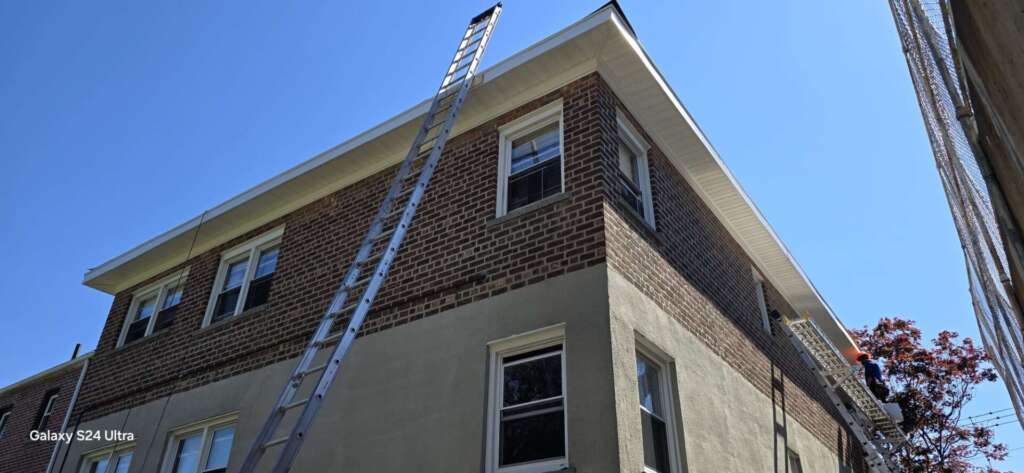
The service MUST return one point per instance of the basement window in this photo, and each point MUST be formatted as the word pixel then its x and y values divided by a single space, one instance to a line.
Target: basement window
pixel 632 171
pixel 527 425
pixel 245 277
pixel 656 413
pixel 201 448
pixel 46 410
pixel 530 159
pixel 153 308
pixel 109 461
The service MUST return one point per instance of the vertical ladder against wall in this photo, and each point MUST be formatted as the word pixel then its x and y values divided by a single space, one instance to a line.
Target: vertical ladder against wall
pixel 875 430
pixel 370 266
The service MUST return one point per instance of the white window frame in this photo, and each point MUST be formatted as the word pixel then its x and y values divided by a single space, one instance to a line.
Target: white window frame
pixel 510 346
pixel 47 411
pixel 205 429
pixel 762 300
pixel 663 362
pixel 111 454
pixel 4 416
pixel 160 289
pixel 635 141
pixel 253 248
pixel 524 125
pixel 793 462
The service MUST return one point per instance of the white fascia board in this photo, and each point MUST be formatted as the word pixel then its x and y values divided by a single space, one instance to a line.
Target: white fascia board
pixel 45 373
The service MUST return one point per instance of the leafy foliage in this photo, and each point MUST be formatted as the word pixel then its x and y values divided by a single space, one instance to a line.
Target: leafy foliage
pixel 932 386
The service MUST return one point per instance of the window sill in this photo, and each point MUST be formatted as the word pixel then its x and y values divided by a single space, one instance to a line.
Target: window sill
pixel 142 340
pixel 639 221
pixel 243 315
pixel 528 208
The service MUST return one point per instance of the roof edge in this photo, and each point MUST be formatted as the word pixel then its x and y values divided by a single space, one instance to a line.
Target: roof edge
pixel 47 372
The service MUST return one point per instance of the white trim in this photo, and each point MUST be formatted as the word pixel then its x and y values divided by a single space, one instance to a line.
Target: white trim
pixel 3 420
pixel 762 300
pixel 109 454
pixel 635 141
pixel 249 250
pixel 42 374
pixel 47 412
pixel 526 124
pixel 665 367
pixel 511 346
pixel 205 430
pixel 177 280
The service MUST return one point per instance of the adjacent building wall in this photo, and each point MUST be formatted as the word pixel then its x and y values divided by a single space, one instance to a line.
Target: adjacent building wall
pixel 25 400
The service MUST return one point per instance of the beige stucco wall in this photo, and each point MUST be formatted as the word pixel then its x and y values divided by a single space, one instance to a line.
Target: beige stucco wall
pixel 414 398
pixel 726 424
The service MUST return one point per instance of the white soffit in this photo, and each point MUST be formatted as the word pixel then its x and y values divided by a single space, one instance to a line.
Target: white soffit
pixel 600 41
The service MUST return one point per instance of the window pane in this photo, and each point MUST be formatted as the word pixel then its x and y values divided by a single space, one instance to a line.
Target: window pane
pixel 123 462
pixel 226 304
pixel 655 442
pixel 145 308
pixel 647 380
pixel 220 448
pixel 172 298
pixel 532 438
pixel 535 148
pixel 532 380
pixel 267 263
pixel 259 292
pixel 235 274
pixel 535 184
pixel 99 465
pixel 628 163
pixel 136 330
pixel 187 457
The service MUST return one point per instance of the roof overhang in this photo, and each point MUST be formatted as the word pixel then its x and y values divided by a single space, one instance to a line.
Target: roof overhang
pixel 600 42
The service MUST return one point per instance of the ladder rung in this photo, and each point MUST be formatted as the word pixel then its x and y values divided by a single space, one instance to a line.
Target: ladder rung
pixel 310 371
pixel 276 441
pixel 457 69
pixel 331 339
pixel 288 407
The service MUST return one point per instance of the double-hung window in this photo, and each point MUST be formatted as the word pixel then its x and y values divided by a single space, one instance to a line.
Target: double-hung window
pixel 794 462
pixel 201 448
pixel 527 425
pixel 109 461
pixel 46 409
pixel 5 417
pixel 153 308
pixel 656 415
pixel 244 277
pixel 530 158
pixel 633 177
pixel 762 301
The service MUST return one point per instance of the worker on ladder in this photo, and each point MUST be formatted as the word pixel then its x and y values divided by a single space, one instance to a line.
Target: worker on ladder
pixel 873 376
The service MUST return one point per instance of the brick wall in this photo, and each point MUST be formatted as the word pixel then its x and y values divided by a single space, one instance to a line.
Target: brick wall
pixel 19 454
pixel 693 269
pixel 455 253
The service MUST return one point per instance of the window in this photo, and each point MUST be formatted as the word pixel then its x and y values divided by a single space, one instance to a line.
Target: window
pixel 656 414
pixel 794 462
pixel 109 461
pixel 530 159
pixel 245 277
pixel 527 426
pixel 153 308
pixel 762 302
pixel 201 448
pixel 633 176
pixel 5 415
pixel 46 409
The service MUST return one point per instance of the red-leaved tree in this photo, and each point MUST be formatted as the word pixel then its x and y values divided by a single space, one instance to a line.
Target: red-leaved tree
pixel 932 386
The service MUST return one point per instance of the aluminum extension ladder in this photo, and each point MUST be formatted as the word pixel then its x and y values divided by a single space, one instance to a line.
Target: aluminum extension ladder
pixel 379 247
pixel 876 431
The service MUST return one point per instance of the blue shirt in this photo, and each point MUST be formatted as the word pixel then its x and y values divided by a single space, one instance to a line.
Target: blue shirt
pixel 872 370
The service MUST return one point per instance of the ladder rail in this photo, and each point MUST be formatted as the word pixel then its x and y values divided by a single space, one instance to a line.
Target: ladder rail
pixel 877 456
pixel 477 38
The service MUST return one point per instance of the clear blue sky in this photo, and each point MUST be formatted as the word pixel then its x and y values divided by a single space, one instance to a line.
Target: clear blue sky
pixel 122 119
